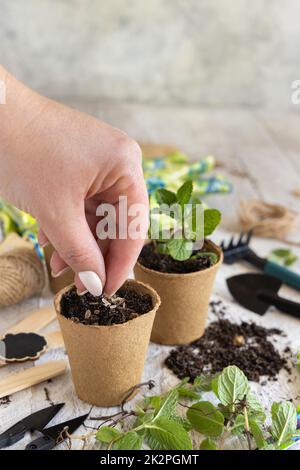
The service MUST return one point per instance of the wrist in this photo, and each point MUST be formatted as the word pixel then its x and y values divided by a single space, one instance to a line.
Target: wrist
pixel 20 108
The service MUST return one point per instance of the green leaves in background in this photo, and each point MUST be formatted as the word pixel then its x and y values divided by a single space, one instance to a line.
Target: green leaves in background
pixel 206 419
pixel 284 421
pixel 283 256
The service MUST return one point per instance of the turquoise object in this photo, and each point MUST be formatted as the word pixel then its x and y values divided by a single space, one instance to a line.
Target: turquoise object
pixel 285 275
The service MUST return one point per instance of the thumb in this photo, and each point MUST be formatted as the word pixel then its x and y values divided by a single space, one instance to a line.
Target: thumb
pixel 77 248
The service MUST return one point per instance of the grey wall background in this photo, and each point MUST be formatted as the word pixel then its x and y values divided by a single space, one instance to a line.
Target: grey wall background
pixel 207 52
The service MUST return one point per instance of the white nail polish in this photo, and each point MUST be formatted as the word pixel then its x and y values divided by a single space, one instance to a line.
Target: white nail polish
pixel 91 282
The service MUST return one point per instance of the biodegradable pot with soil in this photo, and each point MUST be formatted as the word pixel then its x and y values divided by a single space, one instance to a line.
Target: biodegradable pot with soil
pixel 107 339
pixel 182 276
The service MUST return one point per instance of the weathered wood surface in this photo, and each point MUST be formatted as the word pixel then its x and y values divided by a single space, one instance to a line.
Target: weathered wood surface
pixel 259 152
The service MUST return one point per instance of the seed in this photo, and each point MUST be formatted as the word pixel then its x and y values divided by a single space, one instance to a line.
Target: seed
pixel 87 314
pixel 238 340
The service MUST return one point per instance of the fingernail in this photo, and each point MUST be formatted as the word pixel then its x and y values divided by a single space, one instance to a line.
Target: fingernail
pixel 91 282
pixel 43 245
pixel 59 272
pixel 81 293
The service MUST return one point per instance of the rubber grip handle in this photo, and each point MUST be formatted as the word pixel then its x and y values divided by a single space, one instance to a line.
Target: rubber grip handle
pixel 287 276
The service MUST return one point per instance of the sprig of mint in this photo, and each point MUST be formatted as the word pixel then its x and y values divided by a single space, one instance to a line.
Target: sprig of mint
pixel 181 248
pixel 283 256
pixel 164 422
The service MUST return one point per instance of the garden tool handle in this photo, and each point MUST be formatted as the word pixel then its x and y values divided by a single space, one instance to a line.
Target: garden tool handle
pixel 287 276
pixel 285 305
pixel 41 443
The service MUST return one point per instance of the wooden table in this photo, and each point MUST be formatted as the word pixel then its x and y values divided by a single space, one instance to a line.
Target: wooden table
pixel 259 151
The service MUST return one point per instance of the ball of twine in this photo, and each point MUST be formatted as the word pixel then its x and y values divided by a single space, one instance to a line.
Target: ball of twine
pixel 22 275
pixel 268 220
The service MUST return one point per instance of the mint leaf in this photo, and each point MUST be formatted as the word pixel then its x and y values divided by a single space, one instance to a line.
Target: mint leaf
pixel 203 383
pixel 281 252
pixel 168 404
pixel 184 193
pixel 206 418
pixel 180 249
pixel 257 433
pixel 208 444
pixel 164 196
pixel 165 434
pixel 130 441
pixel 107 434
pixel 238 426
pixel 255 408
pixel 284 421
pixel 187 392
pixel 213 256
pixel 232 385
pixel 212 218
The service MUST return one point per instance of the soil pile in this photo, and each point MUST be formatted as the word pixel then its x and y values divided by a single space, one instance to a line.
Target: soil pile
pixel 224 343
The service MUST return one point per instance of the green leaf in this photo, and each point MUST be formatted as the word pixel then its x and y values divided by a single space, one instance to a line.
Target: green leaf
pixel 212 218
pixel 232 385
pixel 164 196
pixel 153 402
pixel 257 433
pixel 184 193
pixel 165 434
pixel 283 256
pixel 180 249
pixel 188 392
pixel 206 418
pixel 201 254
pixel 284 421
pixel 281 252
pixel 168 404
pixel 107 434
pixel 203 383
pixel 130 441
pixel 162 248
pixel 238 426
pixel 208 444
pixel 255 408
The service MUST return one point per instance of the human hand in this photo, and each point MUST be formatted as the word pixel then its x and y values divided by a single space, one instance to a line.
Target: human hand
pixel 59 165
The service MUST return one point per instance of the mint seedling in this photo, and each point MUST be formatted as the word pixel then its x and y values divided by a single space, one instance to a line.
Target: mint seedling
pixel 188 222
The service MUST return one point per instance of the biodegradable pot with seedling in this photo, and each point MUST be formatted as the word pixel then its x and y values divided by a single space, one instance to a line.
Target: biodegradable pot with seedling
pixel 182 274
pixel 107 339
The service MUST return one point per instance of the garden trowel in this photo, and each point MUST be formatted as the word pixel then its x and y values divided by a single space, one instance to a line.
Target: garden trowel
pixel 257 292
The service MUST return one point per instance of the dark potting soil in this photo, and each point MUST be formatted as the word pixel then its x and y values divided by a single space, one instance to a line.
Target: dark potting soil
pixel 125 305
pixel 224 343
pixel 165 264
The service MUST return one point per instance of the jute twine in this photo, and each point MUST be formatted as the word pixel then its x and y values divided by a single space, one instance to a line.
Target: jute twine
pixel 268 220
pixel 21 273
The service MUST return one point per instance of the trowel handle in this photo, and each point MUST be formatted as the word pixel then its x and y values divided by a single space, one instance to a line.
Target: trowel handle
pixel 285 275
pixel 285 305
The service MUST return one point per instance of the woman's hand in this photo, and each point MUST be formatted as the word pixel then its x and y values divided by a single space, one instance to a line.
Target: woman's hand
pixel 59 165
